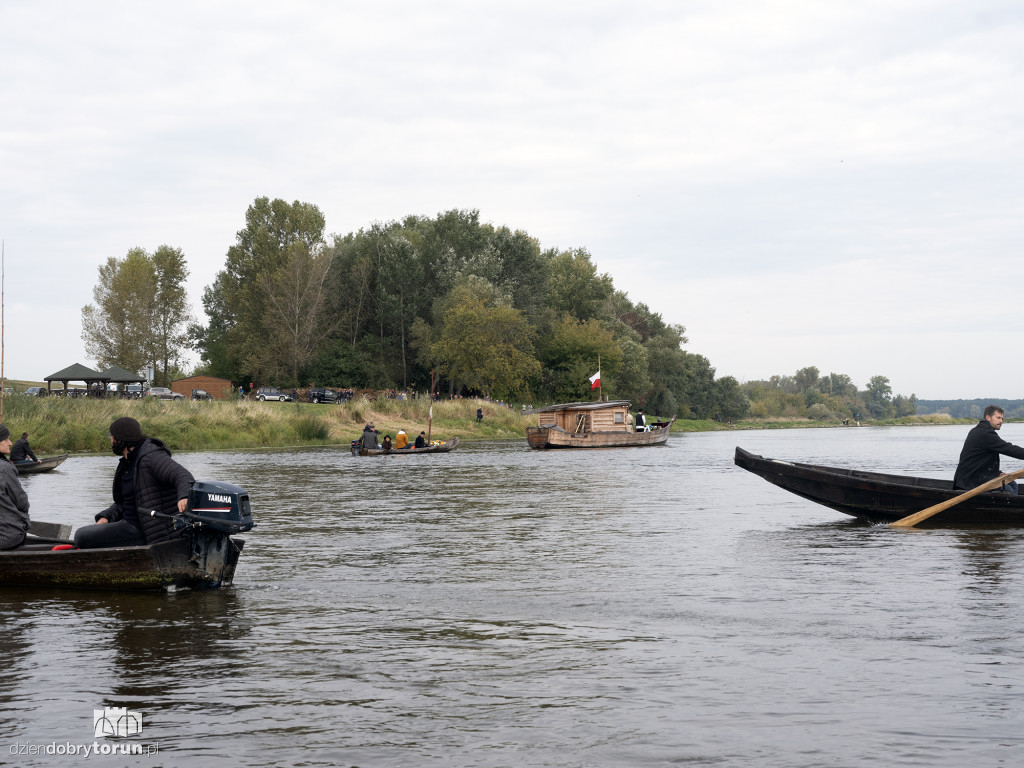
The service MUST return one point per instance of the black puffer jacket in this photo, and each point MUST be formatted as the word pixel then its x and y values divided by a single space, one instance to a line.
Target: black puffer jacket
pixel 979 459
pixel 159 482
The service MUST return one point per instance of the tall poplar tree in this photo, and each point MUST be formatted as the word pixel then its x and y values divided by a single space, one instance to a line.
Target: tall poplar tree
pixel 139 312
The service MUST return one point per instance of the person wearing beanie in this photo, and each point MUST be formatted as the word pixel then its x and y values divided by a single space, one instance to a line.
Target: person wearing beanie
pixel 14 518
pixel 147 479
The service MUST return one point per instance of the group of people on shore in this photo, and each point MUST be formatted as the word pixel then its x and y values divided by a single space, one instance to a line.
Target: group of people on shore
pixel 370 440
pixel 146 479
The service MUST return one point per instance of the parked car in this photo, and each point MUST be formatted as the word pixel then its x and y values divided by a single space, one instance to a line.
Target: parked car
pixel 200 394
pixel 36 391
pixel 135 391
pixel 272 393
pixel 163 393
pixel 322 395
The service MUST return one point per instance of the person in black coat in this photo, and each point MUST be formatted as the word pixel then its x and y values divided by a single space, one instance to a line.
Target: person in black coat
pixel 147 479
pixel 421 441
pixel 369 439
pixel 14 519
pixel 21 452
pixel 979 459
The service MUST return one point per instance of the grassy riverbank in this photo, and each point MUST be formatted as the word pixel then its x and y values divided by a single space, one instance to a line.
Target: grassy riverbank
pixel 59 425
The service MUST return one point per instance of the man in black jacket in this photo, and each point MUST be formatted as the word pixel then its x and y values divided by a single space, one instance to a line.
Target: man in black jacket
pixel 979 459
pixel 147 479
pixel 21 451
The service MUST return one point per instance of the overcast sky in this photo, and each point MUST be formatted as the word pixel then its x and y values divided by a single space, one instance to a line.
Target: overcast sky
pixel 833 184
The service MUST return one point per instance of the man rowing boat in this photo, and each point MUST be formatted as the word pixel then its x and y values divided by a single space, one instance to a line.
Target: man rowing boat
pixel 979 459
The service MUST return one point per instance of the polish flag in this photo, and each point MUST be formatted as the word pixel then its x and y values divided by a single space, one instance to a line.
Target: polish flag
pixel 595 380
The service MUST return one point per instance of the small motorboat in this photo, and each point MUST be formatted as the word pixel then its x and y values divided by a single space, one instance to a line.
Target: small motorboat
pixel 204 556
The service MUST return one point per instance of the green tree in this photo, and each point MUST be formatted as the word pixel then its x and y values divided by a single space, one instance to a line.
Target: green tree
pixel 878 398
pixel 570 354
pixel 139 312
pixel 116 328
pixel 731 402
pixel 297 307
pixel 237 303
pixel 574 286
pixel 484 347
pixel 172 312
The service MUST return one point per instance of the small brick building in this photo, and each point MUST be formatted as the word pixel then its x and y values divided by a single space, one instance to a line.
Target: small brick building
pixel 219 389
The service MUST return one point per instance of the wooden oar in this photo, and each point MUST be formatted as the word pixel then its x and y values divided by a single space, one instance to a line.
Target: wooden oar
pixel 911 520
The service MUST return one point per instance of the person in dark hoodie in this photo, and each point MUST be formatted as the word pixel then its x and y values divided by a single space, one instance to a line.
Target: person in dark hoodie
pixel 979 459
pixel 147 479
pixel 13 499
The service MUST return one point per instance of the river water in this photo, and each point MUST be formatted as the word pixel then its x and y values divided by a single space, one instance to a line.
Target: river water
pixel 498 606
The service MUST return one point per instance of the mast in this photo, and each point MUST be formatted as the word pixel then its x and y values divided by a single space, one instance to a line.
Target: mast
pixel 430 418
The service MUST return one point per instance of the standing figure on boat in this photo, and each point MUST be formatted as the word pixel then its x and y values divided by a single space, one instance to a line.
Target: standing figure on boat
pixel 979 459
pixel 147 479
pixel 14 519
pixel 639 421
pixel 21 453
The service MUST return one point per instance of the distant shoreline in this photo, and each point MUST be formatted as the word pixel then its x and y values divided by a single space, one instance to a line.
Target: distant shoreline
pixel 79 425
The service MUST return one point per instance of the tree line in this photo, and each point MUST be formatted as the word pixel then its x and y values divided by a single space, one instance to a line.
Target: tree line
pixel 971 409
pixel 484 309
pixel 835 396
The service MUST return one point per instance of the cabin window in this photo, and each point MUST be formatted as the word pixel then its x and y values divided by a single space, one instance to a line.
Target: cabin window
pixel 619 417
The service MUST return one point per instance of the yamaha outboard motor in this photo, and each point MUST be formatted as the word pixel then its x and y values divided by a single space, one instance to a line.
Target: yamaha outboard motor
pixel 219 507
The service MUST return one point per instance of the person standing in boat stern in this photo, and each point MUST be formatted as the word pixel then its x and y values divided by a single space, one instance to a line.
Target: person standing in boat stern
pixel 13 499
pixel 639 421
pixel 146 479
pixel 979 459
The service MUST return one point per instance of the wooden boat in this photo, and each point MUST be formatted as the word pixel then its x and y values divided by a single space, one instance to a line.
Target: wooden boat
pixel 440 447
pixel 45 464
pixel 203 556
pixel 592 425
pixel 882 498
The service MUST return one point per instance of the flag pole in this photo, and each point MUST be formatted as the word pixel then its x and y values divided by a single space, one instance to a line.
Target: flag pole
pixel 430 418
pixel 599 380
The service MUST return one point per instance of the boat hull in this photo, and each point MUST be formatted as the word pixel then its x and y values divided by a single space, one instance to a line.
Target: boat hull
pixel 444 447
pixel 43 465
pixel 547 437
pixel 883 498
pixel 198 560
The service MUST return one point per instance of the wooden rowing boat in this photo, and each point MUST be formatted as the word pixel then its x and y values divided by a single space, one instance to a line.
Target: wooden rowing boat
pixel 883 498
pixel 593 425
pixel 440 447
pixel 45 464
